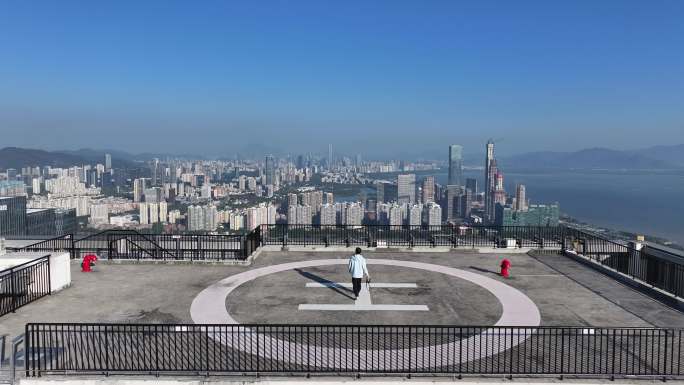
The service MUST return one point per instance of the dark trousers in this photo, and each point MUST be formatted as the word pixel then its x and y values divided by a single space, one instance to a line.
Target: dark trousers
pixel 356 284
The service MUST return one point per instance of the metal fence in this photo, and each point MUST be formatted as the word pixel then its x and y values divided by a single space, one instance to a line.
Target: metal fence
pixel 410 236
pixel 61 243
pixel 130 244
pixel 23 284
pixel 662 269
pixel 115 244
pixel 344 349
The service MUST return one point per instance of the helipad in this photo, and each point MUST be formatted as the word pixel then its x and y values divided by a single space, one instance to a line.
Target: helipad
pixel 518 310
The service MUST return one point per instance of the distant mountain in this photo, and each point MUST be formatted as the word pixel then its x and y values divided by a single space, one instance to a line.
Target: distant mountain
pixel 14 157
pixel 670 154
pixel 593 158
pixel 97 156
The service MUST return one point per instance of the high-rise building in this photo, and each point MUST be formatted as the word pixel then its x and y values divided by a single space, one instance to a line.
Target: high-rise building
pixel 40 221
pixel 251 183
pixel 406 188
pixel 499 191
pixel 163 212
pixel 466 203
pixel 12 215
pixel 453 195
pixel 154 212
pixel 12 188
pixel 330 156
pixel 353 214
pixel 490 163
pixel 471 184
pixel 153 195
pixel 455 165
pixel 65 221
pixel 380 191
pixel 292 199
pixel 396 215
pixel 195 218
pixel 428 191
pixel 138 189
pixel 108 162
pixel 35 185
pixel 144 213
pixel 304 215
pixel 210 218
pixel 328 214
pixel 154 171
pixel 520 199
pixel 99 214
pixel 269 171
pixel 433 214
pixel 415 215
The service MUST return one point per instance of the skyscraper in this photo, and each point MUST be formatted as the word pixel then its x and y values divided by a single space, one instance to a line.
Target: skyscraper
pixel 406 188
pixel 138 189
pixel 380 190
pixel 471 184
pixel 499 191
pixel 489 181
pixel 520 199
pixel 154 171
pixel 144 213
pixel 108 162
pixel 270 170
pixel 330 156
pixel 12 215
pixel 453 195
pixel 455 165
pixel 428 194
pixel 433 214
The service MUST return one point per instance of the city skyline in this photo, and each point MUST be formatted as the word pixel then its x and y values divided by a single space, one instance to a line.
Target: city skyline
pixel 233 77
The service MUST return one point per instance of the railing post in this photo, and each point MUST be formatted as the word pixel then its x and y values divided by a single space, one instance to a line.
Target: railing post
pixel 3 339
pixel 49 276
pixel 13 291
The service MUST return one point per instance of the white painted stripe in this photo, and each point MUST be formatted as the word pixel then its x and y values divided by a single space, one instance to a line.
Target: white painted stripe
pixel 364 297
pixel 356 307
pixel 373 285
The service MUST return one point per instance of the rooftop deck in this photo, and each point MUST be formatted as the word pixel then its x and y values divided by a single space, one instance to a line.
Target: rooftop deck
pixel 565 292
pixel 279 300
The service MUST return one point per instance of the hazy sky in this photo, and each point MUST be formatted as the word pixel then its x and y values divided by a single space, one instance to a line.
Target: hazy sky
pixel 378 77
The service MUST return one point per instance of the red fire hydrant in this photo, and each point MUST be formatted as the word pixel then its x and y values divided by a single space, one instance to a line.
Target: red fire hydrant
pixel 88 263
pixel 505 268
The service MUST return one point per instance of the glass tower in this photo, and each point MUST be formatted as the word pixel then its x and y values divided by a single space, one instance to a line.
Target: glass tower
pixel 455 165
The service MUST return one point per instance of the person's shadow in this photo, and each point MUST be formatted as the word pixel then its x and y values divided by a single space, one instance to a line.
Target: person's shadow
pixel 334 286
pixel 484 270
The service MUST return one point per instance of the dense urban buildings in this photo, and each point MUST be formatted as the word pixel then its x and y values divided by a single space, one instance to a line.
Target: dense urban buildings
pixel 228 196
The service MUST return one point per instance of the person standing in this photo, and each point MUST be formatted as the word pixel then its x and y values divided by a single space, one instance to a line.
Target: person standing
pixel 357 269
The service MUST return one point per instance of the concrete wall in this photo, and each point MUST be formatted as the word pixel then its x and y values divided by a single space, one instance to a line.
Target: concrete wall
pixel 60 271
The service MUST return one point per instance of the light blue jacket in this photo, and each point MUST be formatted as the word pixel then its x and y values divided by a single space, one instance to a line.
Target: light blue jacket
pixel 357 266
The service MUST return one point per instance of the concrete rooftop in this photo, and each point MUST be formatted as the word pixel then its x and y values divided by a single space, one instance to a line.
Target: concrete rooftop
pixel 565 292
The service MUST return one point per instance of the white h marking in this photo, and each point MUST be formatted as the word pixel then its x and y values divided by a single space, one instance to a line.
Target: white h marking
pixel 363 303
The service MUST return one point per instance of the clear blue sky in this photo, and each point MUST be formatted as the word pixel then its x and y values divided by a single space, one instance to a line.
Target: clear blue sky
pixel 377 77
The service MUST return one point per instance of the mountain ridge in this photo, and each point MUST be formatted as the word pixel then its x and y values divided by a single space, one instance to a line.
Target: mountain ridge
pixel 655 157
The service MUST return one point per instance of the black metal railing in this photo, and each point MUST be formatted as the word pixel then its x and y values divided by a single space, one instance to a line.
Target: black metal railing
pixel 412 236
pixel 130 244
pixel 23 284
pixel 340 349
pixel 61 243
pixel 662 270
